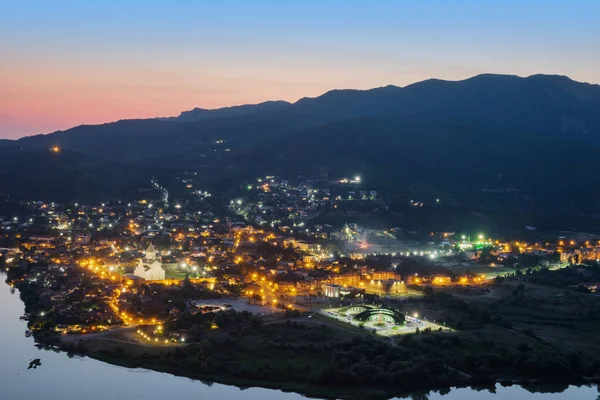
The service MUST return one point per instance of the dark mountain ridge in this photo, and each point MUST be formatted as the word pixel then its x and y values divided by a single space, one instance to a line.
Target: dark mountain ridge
pixel 546 101
pixel 539 134
pixel 199 114
pixel 551 104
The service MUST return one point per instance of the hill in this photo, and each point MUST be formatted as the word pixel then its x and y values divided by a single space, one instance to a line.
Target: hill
pixel 534 137
pixel 201 114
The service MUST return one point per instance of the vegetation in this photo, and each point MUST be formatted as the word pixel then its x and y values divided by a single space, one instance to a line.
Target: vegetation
pixel 330 362
pixel 574 276
pixel 515 331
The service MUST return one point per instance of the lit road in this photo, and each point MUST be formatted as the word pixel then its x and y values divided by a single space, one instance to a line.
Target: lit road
pixel 72 338
pixel 271 298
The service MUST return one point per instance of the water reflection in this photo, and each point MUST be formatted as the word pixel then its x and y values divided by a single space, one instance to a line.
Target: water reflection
pixel 67 377
pixel 499 392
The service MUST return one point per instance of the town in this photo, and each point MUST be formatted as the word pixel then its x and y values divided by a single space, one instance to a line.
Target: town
pixel 168 271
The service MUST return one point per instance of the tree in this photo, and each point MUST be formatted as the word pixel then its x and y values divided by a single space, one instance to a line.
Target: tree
pixel 290 365
pixel 256 322
pixel 187 283
pixel 205 349
pixel 222 319
pixel 428 291
pixel 255 298
pixel 196 332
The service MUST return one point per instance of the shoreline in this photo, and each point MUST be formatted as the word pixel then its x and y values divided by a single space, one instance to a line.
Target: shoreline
pixel 311 390
pixel 319 362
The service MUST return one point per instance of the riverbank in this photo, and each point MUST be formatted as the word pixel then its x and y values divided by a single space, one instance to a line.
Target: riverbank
pixel 319 358
pixel 231 367
pixel 235 366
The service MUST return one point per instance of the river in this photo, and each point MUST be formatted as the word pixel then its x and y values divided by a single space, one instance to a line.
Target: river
pixel 64 378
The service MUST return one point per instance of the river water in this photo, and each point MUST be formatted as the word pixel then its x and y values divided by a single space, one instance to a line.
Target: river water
pixel 64 378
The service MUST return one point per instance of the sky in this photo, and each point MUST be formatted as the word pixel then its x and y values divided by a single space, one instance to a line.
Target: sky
pixel 65 63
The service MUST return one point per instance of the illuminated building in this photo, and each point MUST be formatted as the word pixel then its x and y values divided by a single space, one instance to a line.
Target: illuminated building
pixel 385 275
pixel 150 267
pixel 348 279
pixel 331 290
pixel 441 280
pixel 578 256
pixel 82 239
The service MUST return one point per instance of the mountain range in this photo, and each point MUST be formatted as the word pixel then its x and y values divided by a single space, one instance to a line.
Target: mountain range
pixel 536 138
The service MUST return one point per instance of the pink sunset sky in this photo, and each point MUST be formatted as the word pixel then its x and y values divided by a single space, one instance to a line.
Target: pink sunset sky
pixel 67 63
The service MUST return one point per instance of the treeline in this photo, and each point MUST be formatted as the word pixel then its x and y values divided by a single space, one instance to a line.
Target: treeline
pixel 200 323
pixel 316 356
pixel 497 362
pixel 43 327
pixel 162 299
pixel 472 315
pixel 295 354
pixel 368 362
pixel 310 355
pixel 574 276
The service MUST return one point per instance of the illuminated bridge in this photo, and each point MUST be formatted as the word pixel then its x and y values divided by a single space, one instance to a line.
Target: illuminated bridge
pixel 381 315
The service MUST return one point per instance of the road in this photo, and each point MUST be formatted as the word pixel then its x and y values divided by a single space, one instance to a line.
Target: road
pixel 88 336
pixel 273 299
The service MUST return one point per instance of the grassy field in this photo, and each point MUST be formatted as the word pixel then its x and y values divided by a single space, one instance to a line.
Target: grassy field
pixel 177 275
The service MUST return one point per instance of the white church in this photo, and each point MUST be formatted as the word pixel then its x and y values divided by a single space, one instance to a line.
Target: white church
pixel 150 267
